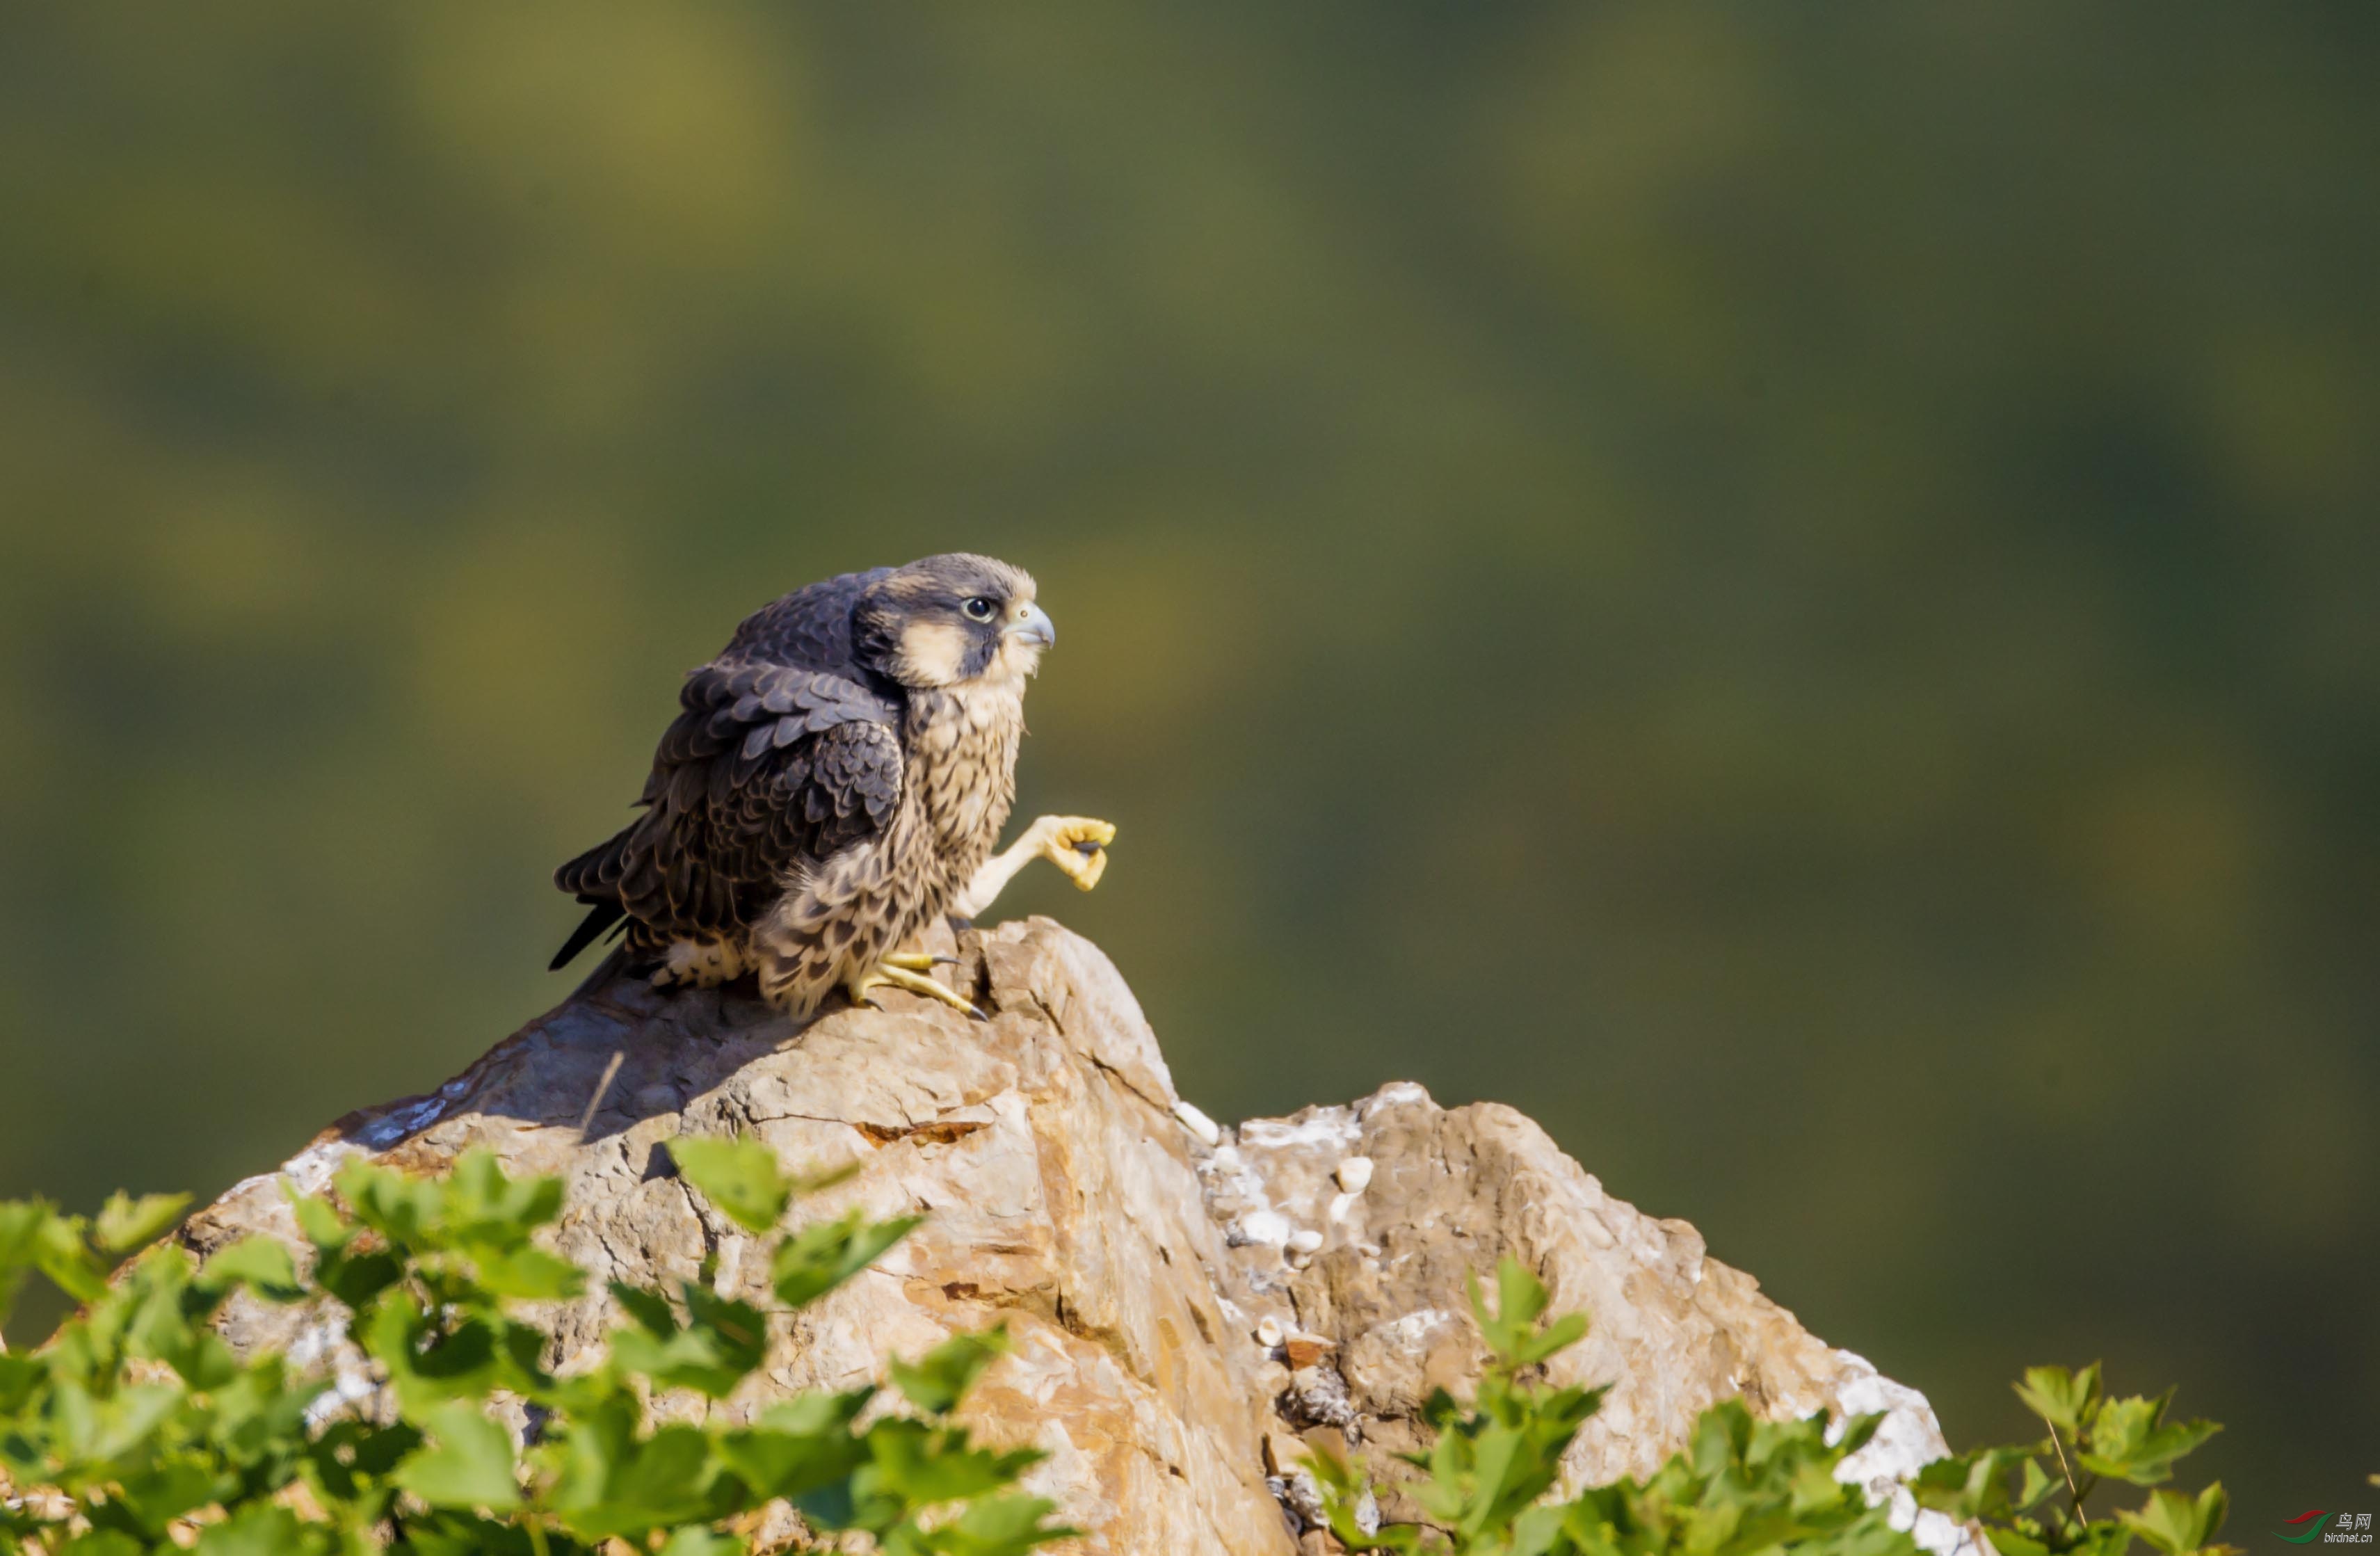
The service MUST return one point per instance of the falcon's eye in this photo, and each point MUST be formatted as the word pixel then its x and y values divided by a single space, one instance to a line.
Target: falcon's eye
pixel 980 609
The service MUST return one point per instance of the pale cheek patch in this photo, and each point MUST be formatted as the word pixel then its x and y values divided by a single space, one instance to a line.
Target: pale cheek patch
pixel 933 654
pixel 1017 657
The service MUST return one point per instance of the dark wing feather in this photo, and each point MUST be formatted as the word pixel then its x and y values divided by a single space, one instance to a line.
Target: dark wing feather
pixel 809 628
pixel 768 768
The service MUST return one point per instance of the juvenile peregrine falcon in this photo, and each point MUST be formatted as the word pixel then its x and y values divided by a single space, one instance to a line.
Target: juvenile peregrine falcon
pixel 835 781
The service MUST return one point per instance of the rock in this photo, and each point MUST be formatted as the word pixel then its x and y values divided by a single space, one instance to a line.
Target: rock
pixel 1139 1260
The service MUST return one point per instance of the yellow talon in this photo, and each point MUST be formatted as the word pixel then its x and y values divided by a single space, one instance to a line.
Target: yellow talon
pixel 1077 845
pixel 891 972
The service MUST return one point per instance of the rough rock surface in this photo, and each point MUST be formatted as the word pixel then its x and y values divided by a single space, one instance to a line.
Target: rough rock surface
pixel 1186 1302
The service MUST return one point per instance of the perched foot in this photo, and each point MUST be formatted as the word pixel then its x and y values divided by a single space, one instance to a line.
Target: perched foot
pixel 906 972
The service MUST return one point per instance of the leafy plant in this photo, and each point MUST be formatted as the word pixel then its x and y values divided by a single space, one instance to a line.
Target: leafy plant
pixel 1748 1488
pixel 2092 1439
pixel 136 1428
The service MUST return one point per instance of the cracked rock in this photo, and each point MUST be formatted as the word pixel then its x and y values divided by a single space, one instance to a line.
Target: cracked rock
pixel 1071 1194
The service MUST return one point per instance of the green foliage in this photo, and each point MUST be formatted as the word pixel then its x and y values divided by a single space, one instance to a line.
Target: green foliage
pixel 2033 1497
pixel 135 1428
pixel 1749 1488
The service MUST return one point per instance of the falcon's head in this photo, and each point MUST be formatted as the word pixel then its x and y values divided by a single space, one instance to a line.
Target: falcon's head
pixel 950 619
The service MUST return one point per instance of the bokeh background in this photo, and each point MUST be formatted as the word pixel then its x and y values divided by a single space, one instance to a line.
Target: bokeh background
pixel 1792 589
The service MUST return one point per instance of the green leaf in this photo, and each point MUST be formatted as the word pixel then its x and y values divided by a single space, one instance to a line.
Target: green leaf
pixel 2128 1439
pixel 320 1219
pixel 738 1329
pixel 469 1358
pixel 683 1361
pixel 2177 1524
pixel 59 1252
pixel 2011 1542
pixel 939 1379
pixel 402 1209
pixel 798 1446
pixel 2061 1398
pixel 529 1273
pixel 615 1483
pixel 347 1460
pixel 650 1309
pixel 825 1254
pixel 262 1530
pixel 21 1221
pixel 469 1463
pixel 741 1177
pixel 1970 1485
pixel 103 1542
pixel 480 1201
pixel 1520 1297
pixel 260 1264
pixel 923 1465
pixel 20 1375
pixel 357 1279
pixel 1008 1525
pixel 126 1224
pixel 446 1532
pixel 697 1540
pixel 156 1496
pixel 122 1422
pixel 1513 1331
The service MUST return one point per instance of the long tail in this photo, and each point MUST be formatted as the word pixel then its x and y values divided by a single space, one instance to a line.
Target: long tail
pixel 600 916
pixel 594 878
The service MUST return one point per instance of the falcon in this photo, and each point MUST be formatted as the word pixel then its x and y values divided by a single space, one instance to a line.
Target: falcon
pixel 835 781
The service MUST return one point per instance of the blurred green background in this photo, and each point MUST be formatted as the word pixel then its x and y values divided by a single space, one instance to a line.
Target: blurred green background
pixel 1790 590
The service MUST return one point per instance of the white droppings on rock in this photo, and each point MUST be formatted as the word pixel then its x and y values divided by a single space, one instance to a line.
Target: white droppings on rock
pixel 1414 1329
pixel 1209 1133
pixel 323 1341
pixel 311 1169
pixel 1355 1174
pixel 1317 1126
pixel 1305 1241
pixel 1908 1438
pixel 1265 1228
pixel 1339 1205
pixel 1396 1094
pixel 349 1387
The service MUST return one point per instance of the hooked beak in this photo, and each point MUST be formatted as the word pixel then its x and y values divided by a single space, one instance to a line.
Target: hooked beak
pixel 1033 625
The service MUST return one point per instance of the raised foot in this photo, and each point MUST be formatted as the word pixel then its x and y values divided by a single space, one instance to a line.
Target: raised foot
pixel 908 972
pixel 1076 845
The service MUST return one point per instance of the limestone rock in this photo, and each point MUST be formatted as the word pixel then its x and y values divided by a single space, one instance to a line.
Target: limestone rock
pixel 1190 1306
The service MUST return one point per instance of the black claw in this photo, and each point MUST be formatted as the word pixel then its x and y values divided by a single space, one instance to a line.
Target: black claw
pixel 1087 848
